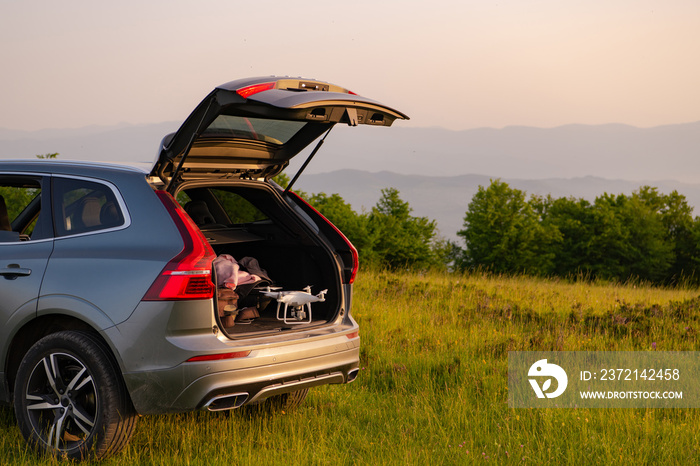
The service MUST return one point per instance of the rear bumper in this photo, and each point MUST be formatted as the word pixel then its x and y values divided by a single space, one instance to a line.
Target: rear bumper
pixel 160 380
pixel 170 391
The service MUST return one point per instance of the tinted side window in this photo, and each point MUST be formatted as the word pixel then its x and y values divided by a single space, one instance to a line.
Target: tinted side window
pixel 80 206
pixel 20 206
pixel 238 209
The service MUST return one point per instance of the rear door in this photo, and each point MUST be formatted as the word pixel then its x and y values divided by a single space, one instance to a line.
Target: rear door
pixel 253 127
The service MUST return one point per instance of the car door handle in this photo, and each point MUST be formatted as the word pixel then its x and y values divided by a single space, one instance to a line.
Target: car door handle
pixel 13 271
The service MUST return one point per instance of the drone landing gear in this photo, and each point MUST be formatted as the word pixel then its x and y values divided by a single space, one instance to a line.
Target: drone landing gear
pixel 294 314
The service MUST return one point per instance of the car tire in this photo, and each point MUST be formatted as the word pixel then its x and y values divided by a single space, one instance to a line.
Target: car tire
pixel 70 400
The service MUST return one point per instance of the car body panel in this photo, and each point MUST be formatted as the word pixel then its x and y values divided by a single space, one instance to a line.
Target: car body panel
pixel 23 316
pixel 97 268
pixel 28 258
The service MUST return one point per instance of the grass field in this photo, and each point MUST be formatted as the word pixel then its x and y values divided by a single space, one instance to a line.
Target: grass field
pixel 433 384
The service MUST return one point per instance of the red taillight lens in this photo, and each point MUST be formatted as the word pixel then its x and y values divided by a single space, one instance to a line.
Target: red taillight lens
pixel 246 92
pixel 353 251
pixel 219 356
pixel 353 335
pixel 187 275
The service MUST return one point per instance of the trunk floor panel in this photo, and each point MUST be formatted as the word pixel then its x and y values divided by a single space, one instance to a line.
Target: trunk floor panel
pixel 264 325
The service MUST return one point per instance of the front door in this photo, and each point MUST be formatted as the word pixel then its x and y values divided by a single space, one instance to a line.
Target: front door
pixel 26 242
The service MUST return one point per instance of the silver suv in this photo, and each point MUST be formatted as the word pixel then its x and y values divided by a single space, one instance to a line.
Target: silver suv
pixel 196 284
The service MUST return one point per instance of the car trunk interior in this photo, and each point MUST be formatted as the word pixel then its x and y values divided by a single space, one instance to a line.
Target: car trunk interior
pixel 246 221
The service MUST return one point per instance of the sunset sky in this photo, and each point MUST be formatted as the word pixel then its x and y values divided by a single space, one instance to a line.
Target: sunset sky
pixel 458 64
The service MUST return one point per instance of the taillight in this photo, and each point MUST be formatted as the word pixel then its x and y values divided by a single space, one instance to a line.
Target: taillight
pixel 353 251
pixel 246 92
pixel 352 335
pixel 187 275
pixel 219 356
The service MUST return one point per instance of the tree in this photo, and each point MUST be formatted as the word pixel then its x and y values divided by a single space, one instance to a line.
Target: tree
pixel 574 220
pixel 399 239
pixel 387 236
pixel 629 238
pixel 353 225
pixel 502 232
pixel 677 219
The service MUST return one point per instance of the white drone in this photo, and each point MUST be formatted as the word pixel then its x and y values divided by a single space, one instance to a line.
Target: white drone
pixel 295 301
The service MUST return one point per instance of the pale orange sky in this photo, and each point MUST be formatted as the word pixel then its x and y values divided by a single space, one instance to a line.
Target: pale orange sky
pixel 457 64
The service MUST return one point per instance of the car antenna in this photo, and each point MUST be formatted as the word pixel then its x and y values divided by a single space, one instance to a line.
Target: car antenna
pixel 306 162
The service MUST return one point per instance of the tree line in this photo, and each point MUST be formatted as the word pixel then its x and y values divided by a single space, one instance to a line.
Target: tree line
pixel 647 236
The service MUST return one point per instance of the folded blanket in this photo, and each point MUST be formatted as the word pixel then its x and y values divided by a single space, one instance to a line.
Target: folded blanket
pixel 230 274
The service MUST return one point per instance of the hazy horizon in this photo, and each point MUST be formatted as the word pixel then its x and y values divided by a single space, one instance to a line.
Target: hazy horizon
pixel 122 124
pixel 612 151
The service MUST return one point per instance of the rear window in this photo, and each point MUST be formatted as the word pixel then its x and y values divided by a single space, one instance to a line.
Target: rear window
pixel 82 206
pixel 218 207
pixel 238 209
pixel 260 129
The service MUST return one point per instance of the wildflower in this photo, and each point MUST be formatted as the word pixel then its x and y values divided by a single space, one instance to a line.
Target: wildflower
pixel 653 345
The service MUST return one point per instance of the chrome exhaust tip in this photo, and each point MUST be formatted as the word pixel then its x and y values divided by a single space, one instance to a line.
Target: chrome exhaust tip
pixel 352 375
pixel 226 401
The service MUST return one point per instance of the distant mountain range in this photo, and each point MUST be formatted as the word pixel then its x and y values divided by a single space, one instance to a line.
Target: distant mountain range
pixel 124 142
pixel 435 169
pixel 606 151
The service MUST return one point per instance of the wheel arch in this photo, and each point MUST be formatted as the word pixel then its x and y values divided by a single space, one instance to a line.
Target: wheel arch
pixel 96 418
pixel 38 328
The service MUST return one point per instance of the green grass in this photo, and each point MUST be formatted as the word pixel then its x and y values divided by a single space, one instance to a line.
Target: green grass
pixel 433 384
